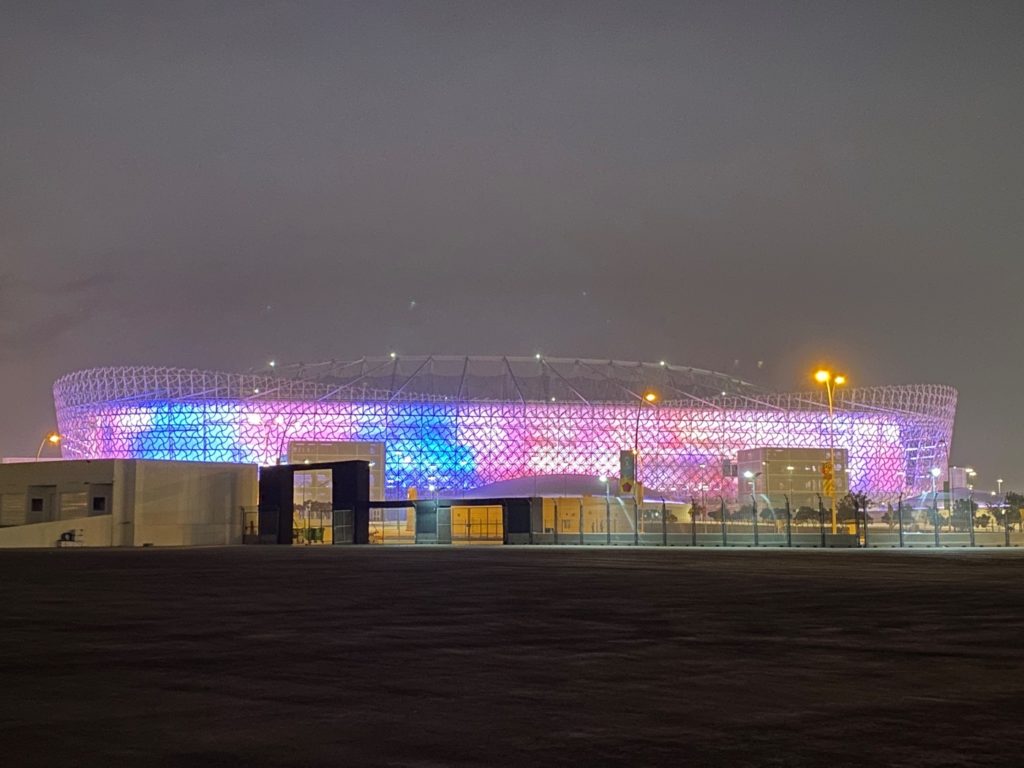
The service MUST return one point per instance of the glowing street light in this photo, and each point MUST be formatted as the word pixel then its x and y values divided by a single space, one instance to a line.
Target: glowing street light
pixel 651 398
pixel 53 438
pixel 831 382
pixel 999 482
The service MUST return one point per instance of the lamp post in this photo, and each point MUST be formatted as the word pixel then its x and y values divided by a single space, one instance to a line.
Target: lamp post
pixel 53 439
pixel 831 382
pixel 651 398
pixel 999 482
pixel 971 474
pixel 752 478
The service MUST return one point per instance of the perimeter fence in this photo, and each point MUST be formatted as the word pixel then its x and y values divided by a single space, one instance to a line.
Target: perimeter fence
pixel 770 521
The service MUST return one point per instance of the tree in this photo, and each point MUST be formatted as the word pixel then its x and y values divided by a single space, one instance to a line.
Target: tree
pixel 850 507
pixel 963 510
pixel 890 517
pixel 698 511
pixel 1014 501
pixel 744 514
pixel 805 515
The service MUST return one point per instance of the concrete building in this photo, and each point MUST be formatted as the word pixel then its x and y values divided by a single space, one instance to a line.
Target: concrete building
pixel 793 472
pixel 124 503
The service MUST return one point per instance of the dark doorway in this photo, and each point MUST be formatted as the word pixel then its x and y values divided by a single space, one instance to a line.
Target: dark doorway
pixel 334 503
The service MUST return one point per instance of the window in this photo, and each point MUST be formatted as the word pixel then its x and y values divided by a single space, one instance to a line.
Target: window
pixel 99 504
pixel 36 505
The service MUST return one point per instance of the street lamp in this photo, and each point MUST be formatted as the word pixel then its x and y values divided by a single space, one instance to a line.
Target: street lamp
pixel 831 382
pixel 650 398
pixel 752 479
pixel 999 482
pixel 53 439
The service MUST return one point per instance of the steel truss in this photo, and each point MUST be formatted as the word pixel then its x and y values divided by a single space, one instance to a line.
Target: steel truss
pixel 460 423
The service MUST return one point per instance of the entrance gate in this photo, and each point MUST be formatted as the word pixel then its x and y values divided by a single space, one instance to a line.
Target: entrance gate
pixel 467 521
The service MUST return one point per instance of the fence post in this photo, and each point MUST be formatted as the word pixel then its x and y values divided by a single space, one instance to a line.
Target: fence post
pixel 664 524
pixel 636 521
pixel 821 520
pixel 693 523
pixel 899 517
pixel 935 519
pixel 581 519
pixel 970 518
pixel 607 518
pixel 865 527
pixel 725 538
pixel 789 524
pixel 1006 527
pixel 555 529
pixel 753 502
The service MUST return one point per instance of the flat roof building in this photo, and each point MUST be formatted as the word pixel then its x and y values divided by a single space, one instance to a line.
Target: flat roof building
pixel 124 502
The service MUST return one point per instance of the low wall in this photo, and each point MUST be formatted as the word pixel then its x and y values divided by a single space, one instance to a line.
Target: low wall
pixel 89 532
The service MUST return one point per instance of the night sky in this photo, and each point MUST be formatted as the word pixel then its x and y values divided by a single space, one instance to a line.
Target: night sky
pixel 753 188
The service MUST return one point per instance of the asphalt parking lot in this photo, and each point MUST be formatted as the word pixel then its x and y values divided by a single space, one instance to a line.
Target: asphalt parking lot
pixel 511 656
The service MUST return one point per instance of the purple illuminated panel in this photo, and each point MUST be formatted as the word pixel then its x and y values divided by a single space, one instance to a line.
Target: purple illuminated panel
pixel 462 445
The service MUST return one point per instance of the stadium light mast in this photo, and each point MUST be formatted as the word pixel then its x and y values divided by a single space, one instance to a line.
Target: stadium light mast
pixel 831 382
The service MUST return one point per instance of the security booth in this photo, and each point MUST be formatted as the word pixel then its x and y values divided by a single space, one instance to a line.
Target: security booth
pixel 317 503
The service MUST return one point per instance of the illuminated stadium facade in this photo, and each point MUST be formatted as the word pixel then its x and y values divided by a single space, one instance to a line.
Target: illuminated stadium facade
pixel 458 424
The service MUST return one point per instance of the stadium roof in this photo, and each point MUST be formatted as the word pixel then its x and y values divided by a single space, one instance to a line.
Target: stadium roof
pixel 525 379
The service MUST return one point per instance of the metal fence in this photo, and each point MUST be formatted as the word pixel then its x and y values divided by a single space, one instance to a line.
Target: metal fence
pixel 770 521
pixel 767 521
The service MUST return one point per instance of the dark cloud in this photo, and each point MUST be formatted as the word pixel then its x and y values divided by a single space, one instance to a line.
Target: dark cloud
pixel 36 313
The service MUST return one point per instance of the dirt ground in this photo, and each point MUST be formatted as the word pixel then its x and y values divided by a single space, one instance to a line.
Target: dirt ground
pixel 510 656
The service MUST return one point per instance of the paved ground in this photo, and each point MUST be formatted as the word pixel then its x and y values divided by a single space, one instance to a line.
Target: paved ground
pixel 474 657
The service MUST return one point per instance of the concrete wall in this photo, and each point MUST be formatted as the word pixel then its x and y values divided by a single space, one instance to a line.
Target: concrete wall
pixel 160 503
pixel 89 532
pixel 188 504
pixel 75 483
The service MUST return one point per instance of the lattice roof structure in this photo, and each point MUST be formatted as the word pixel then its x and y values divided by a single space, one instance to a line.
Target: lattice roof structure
pixel 463 422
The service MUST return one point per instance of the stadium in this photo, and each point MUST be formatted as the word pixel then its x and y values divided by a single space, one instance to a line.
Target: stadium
pixel 458 425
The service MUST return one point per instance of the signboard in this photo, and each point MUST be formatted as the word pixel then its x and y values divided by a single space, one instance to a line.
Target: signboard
pixel 627 472
pixel 828 484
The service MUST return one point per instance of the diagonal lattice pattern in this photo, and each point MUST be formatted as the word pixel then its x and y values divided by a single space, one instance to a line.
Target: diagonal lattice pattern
pixel 460 423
